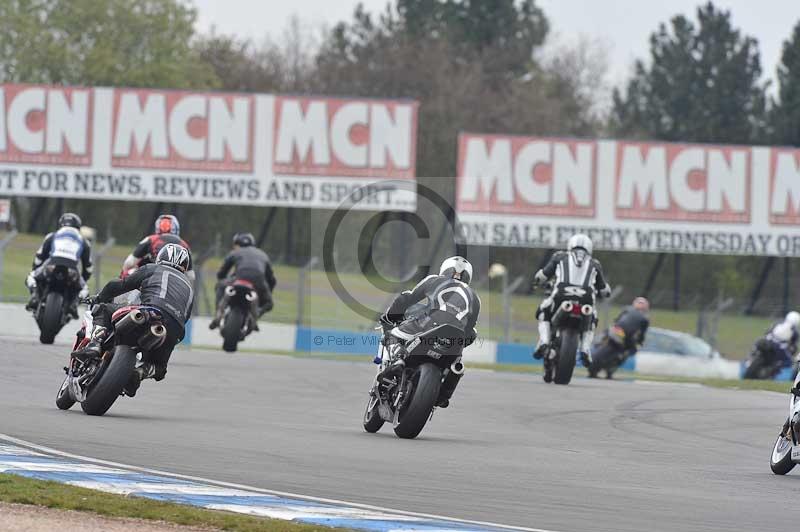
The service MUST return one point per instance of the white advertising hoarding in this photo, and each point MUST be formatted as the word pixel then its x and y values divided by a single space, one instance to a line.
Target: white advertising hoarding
pixel 629 195
pixel 206 147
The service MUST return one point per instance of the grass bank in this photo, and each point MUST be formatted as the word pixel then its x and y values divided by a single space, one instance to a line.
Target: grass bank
pixel 22 490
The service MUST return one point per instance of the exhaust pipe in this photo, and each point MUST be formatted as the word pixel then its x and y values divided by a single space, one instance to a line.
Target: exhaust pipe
pixel 451 381
pixel 153 338
pixel 130 322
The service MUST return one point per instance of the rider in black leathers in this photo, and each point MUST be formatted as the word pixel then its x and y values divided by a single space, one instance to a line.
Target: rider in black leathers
pixel 634 321
pixel 450 300
pixel 165 286
pixel 67 247
pixel 248 263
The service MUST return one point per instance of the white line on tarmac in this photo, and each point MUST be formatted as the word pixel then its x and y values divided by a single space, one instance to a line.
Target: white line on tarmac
pixel 51 451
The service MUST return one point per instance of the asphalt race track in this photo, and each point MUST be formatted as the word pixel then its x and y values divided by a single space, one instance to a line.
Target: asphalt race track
pixel 592 456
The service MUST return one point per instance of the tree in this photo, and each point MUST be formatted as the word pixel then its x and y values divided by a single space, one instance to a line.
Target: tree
pixel 785 113
pixel 139 43
pixel 702 84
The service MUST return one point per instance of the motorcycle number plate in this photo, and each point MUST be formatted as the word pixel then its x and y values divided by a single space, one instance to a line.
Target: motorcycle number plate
pixel 796 453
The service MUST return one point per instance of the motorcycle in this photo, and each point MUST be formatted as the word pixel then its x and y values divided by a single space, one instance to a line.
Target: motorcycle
pixel 239 313
pixel 97 383
pixel 609 353
pixel 410 384
pixel 786 451
pixel 57 291
pixel 572 317
pixel 766 360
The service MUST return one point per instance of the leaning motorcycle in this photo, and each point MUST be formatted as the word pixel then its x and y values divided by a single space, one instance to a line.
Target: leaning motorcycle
pixel 409 384
pixel 786 451
pixel 572 317
pixel 609 352
pixel 766 360
pixel 239 313
pixel 58 289
pixel 97 383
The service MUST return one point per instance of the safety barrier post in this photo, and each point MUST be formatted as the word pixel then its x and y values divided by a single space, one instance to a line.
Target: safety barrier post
pixel 98 262
pixel 3 244
pixel 301 289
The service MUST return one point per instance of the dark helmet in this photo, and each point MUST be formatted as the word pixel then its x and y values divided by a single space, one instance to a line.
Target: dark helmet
pixel 69 219
pixel 167 224
pixel 174 255
pixel 244 240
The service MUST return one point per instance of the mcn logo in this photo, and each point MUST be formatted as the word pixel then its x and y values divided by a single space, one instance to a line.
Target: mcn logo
pixel 683 182
pixel 519 175
pixel 334 137
pixel 45 125
pixel 182 130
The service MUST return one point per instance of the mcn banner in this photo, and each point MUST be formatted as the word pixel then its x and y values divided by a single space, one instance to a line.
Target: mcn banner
pixel 629 196
pixel 206 147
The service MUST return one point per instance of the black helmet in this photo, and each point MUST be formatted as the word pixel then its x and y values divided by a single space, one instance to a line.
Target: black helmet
pixel 167 224
pixel 244 240
pixel 174 255
pixel 69 219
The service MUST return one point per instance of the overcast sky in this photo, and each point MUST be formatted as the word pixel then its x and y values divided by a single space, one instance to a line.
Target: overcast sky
pixel 623 26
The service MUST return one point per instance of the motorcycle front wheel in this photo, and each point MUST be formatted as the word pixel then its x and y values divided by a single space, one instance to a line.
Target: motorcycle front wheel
pixel 781 460
pixel 64 400
pixel 372 418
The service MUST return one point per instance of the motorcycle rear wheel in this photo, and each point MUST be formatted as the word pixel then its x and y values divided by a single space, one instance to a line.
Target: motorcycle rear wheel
pixel 232 329
pixel 426 380
pixel 566 356
pixel 51 318
pixel 103 394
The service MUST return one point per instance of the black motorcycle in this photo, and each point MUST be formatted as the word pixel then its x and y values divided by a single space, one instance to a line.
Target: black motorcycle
pixel 766 360
pixel 239 313
pixel 58 291
pixel 572 317
pixel 97 383
pixel 409 386
pixel 609 352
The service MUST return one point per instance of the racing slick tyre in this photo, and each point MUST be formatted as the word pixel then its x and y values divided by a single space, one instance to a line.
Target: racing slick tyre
pixel 51 317
pixel 116 375
pixel 372 419
pixel 781 460
pixel 64 400
pixel 232 329
pixel 566 356
pixel 425 383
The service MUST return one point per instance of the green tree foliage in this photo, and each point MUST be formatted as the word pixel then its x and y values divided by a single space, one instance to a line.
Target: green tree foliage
pixel 785 113
pixel 139 43
pixel 701 84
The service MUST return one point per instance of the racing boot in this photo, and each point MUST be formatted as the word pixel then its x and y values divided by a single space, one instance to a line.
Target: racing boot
pixel 94 349
pixel 30 282
pixel 548 370
pixel 586 358
pixel 33 303
pixel 544 340
pixel 145 371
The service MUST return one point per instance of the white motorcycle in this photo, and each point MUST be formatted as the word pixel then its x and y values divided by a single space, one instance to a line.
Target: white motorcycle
pixel 786 452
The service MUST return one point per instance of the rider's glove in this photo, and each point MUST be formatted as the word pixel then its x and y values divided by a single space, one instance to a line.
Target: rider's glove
pixel 386 322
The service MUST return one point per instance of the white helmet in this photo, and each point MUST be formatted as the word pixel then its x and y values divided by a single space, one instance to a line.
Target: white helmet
pixel 458 268
pixel 793 318
pixel 783 332
pixel 580 241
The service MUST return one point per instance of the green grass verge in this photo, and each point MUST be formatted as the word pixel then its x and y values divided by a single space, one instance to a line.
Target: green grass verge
pixel 22 490
pixel 734 384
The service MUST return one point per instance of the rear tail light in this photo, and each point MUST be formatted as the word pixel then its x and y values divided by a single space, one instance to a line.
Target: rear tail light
pixel 587 310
